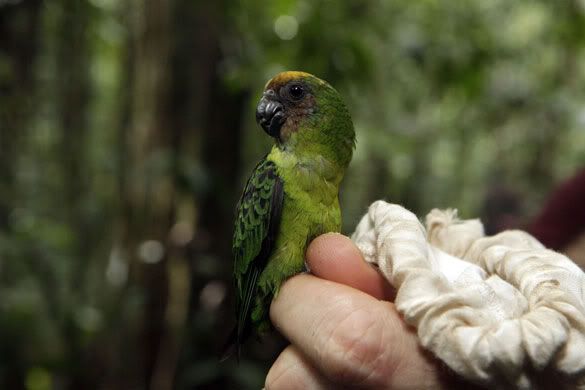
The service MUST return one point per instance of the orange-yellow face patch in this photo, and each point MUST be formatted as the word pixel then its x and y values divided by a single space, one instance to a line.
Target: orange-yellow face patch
pixel 282 78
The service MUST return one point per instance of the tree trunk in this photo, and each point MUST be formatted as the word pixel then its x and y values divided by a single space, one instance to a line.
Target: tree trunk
pixel 19 42
pixel 218 124
pixel 149 185
pixel 73 90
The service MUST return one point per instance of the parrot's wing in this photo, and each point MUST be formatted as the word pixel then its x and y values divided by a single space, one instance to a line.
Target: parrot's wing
pixel 256 228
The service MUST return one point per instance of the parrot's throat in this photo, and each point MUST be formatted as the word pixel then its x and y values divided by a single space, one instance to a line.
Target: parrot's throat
pixel 293 124
pixel 308 168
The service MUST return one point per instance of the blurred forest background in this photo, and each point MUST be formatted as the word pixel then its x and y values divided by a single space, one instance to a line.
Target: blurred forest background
pixel 127 131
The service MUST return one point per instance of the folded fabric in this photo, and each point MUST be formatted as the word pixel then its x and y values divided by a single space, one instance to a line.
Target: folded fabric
pixel 501 311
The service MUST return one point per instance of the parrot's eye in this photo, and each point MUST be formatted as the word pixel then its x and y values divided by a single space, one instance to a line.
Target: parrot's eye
pixel 296 91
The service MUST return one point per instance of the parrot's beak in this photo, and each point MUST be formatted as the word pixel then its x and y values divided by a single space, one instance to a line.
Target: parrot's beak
pixel 270 114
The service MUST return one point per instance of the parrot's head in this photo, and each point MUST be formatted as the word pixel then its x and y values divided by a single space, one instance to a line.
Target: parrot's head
pixel 305 114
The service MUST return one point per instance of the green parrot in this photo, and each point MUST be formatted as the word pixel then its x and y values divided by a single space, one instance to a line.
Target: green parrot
pixel 292 195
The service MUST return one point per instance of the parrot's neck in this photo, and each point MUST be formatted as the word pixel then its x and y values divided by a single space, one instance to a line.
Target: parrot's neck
pixel 308 169
pixel 322 149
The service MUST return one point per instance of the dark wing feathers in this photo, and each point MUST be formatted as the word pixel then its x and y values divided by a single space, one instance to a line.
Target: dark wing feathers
pixel 256 228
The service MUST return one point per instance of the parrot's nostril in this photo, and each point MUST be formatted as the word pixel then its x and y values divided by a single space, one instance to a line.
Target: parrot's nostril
pixel 269 93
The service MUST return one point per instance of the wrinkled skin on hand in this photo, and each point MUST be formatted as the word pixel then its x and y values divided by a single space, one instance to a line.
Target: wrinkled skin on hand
pixel 345 331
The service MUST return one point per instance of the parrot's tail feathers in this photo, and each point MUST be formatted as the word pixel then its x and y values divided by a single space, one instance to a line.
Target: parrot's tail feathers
pixel 231 346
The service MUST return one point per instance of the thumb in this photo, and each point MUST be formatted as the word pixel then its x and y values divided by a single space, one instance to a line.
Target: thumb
pixel 335 257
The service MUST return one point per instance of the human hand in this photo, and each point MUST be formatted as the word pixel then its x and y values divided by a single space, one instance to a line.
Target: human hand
pixel 343 329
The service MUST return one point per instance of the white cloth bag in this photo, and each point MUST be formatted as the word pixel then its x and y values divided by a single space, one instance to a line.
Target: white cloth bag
pixel 500 311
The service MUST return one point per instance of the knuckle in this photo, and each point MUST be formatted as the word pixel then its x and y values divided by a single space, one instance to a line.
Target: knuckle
pixel 353 354
pixel 278 375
